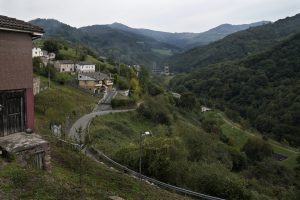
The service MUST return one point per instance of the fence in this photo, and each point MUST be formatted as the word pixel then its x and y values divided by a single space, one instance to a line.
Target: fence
pixel 151 180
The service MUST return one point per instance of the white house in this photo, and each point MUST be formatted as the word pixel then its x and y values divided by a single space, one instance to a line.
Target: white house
pixel 85 67
pixel 37 52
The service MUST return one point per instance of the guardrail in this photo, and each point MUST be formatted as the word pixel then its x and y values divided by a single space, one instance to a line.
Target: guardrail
pixel 151 180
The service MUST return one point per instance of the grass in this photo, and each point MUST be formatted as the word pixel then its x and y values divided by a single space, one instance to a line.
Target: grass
pixel 62 102
pixel 240 137
pixel 99 181
pixel 112 131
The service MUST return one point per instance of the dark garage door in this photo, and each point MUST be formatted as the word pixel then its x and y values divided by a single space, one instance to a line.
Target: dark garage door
pixel 12 112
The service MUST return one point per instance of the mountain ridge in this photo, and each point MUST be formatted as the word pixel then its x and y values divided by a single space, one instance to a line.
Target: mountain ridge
pixel 187 40
pixel 237 45
pixel 131 46
pixel 128 47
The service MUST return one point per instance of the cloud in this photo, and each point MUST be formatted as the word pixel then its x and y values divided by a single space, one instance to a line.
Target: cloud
pixel 166 15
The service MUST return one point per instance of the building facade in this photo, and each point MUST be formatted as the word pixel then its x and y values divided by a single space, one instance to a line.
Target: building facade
pixel 16 94
pixel 85 67
pixel 65 66
pixel 37 52
pixel 95 82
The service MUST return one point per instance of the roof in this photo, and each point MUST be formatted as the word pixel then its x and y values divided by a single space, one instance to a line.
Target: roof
pixel 12 24
pixel 65 61
pixel 85 63
pixel 96 76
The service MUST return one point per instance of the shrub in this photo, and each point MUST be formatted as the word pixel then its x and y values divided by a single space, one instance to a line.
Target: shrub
pixel 154 90
pixel 257 149
pixel 117 103
pixel 156 109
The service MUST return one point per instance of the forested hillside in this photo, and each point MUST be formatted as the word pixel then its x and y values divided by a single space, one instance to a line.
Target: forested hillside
pixel 264 89
pixel 188 40
pixel 237 45
pixel 128 47
pixel 135 46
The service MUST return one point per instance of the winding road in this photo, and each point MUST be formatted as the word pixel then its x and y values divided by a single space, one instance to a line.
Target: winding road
pixel 103 108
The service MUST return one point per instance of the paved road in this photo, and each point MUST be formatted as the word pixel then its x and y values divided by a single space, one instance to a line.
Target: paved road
pixel 103 108
pixel 104 103
pixel 84 121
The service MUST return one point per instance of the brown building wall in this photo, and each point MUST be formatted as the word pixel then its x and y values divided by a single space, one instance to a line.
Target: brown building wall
pixel 15 60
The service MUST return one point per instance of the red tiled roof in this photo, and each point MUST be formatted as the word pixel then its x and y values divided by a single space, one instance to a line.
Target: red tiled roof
pixel 18 25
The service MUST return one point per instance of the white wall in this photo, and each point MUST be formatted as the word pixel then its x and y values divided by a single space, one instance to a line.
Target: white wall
pixel 85 68
pixel 37 52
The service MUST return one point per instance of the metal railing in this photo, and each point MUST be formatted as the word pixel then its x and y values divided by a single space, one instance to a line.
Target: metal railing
pixel 151 180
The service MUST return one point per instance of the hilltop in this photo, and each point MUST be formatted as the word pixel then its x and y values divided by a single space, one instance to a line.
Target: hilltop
pixel 135 46
pixel 237 45
pixel 187 40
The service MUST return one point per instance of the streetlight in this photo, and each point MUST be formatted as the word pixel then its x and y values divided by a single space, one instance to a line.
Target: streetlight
pixel 141 139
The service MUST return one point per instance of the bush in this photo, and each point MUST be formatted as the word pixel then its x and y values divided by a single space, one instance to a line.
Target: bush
pixel 211 126
pixel 257 149
pixel 156 109
pixel 117 103
pixel 123 84
pixel 154 90
pixel 188 100
pixel 62 78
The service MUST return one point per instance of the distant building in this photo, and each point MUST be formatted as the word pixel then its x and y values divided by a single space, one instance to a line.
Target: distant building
pixel 37 52
pixel 95 82
pixel 205 109
pixel 167 70
pixel 51 56
pixel 65 66
pixel 176 95
pixel 84 67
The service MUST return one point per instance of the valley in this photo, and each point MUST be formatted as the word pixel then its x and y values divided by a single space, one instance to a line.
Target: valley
pixel 127 113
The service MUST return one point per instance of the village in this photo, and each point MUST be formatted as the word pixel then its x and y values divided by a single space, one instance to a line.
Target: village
pixel 111 111
pixel 87 76
pixel 19 85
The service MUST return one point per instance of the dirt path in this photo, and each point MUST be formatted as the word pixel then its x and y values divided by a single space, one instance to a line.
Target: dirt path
pixel 237 126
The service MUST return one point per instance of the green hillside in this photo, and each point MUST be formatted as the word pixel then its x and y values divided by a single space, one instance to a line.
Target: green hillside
pixel 237 45
pixel 186 41
pixel 263 89
pixel 201 152
pixel 64 104
pixel 130 48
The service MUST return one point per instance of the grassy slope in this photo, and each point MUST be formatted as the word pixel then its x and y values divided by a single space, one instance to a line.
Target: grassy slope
pixel 99 181
pixel 114 130
pixel 240 137
pixel 111 131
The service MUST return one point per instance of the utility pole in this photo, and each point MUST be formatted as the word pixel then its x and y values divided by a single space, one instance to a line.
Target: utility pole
pixel 140 164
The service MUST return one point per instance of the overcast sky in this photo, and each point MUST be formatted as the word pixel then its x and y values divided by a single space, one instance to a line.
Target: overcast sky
pixel 164 15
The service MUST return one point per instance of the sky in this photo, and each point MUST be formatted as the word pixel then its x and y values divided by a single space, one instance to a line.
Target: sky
pixel 162 15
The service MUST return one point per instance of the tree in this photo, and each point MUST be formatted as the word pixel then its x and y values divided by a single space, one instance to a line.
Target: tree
pixel 135 87
pixel 257 149
pixel 188 100
pixel 51 46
